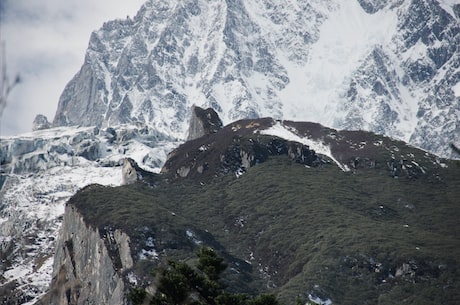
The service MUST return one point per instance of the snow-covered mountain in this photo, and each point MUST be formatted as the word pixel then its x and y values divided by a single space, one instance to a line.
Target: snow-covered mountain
pixel 392 67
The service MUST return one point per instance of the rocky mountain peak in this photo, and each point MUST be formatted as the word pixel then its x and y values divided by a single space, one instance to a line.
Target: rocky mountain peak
pixel 131 172
pixel 398 61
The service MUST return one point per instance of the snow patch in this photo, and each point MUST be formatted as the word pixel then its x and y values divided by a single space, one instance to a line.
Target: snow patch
pixel 150 252
pixel 456 89
pixel 239 172
pixel 132 278
pixel 192 236
pixel 279 130
pixel 318 300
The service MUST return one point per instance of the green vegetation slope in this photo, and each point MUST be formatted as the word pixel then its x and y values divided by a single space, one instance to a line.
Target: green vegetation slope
pixel 301 232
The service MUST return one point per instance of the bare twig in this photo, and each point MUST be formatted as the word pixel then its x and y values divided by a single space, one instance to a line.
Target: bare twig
pixel 5 85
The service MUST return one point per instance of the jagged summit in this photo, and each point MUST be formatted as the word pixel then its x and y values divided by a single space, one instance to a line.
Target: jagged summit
pixel 389 67
pixel 40 122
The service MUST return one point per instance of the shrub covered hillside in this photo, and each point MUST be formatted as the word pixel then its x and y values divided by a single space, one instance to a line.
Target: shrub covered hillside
pixel 303 233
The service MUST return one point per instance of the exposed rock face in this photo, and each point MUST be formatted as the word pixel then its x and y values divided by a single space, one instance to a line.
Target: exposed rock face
pixel 203 122
pixel 75 105
pixel 243 154
pixel 131 172
pixel 84 270
pixel 40 122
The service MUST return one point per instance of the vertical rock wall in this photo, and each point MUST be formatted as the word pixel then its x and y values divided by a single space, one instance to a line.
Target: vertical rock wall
pixel 84 272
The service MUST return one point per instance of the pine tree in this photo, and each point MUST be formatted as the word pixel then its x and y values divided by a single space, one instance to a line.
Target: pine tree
pixel 180 284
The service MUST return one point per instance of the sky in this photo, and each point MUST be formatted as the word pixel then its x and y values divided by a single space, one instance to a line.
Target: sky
pixel 45 43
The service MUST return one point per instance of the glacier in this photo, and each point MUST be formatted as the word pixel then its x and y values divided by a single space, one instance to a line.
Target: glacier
pixel 40 171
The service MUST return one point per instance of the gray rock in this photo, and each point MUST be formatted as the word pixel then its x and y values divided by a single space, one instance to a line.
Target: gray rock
pixel 40 122
pixel 203 122
pixel 84 271
pixel 81 102
pixel 128 172
pixel 131 172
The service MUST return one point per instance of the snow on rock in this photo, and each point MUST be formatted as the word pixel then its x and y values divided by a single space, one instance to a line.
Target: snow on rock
pixel 345 39
pixel 149 251
pixel 289 133
pixel 318 300
pixel 456 89
pixel 34 205
pixel 193 237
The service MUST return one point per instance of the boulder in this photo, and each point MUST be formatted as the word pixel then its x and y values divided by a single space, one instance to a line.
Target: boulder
pixel 203 122
pixel 40 122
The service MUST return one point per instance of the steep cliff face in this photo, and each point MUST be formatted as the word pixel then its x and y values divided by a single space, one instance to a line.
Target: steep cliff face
pixel 203 122
pixel 88 265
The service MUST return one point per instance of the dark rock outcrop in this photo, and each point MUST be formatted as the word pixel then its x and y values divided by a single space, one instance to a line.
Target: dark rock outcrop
pixel 203 122
pixel 131 172
pixel 245 143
